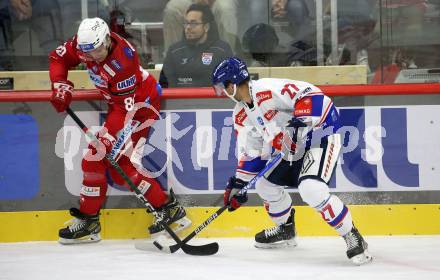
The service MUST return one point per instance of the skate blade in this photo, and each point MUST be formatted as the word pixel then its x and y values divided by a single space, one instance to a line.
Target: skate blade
pixel 361 259
pixel 92 238
pixel 177 226
pixel 280 244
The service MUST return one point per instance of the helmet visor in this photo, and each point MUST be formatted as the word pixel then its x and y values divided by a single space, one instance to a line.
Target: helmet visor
pixel 219 89
pixel 97 54
pixel 85 48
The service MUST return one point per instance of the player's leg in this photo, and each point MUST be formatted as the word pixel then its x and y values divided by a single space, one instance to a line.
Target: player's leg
pixel 278 204
pixel 168 207
pixel 84 226
pixel 318 166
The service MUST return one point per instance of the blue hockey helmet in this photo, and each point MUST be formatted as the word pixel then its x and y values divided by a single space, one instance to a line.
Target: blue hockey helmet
pixel 230 70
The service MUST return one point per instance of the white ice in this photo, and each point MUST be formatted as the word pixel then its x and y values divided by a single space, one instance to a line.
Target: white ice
pixel 395 258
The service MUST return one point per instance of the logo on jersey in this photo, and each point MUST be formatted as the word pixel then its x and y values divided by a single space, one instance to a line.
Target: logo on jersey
pixel 303 107
pixel 306 90
pixel 260 120
pixel 207 58
pixel 97 79
pixel 116 65
pixel 109 70
pixel 128 52
pixel 263 96
pixel 240 117
pixel 123 136
pixel 270 114
pixel 126 83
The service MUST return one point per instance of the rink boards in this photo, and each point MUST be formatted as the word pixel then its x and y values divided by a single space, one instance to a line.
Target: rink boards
pixel 387 174
pixel 417 219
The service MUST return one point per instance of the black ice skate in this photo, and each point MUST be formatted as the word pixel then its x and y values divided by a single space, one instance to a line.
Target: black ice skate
pixel 172 213
pixel 81 229
pixel 279 236
pixel 357 247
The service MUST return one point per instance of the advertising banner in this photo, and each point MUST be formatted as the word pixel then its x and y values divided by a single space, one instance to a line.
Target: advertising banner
pixel 386 148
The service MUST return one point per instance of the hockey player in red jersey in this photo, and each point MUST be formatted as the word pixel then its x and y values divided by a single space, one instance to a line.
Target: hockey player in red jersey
pixel 133 101
pixel 297 118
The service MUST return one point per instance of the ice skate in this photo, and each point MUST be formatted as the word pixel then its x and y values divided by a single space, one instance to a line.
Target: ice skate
pixel 357 248
pixel 279 236
pixel 173 214
pixel 81 229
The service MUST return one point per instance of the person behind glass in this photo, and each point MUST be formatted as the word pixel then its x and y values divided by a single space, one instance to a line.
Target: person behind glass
pixel 262 43
pixel 225 13
pixel 133 98
pixel 42 17
pixel 188 63
pixel 6 50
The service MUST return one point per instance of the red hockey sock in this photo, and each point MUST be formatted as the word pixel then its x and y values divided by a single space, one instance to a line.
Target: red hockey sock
pixel 155 195
pixel 91 199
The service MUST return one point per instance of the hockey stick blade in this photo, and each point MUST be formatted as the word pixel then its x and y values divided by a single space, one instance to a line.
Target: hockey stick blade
pixel 201 250
pixel 212 246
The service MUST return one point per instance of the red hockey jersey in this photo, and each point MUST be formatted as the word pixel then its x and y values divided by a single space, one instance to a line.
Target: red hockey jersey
pixel 120 78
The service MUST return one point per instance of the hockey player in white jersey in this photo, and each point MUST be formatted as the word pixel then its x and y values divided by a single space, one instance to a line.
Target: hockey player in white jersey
pixel 298 119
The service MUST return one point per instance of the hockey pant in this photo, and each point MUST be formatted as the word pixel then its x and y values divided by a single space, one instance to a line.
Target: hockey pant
pixel 312 172
pixel 94 189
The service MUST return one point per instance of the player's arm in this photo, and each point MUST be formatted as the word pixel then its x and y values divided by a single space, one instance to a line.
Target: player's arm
pixel 61 60
pixel 253 153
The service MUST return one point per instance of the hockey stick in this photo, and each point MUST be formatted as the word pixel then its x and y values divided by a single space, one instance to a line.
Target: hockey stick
pixel 188 249
pixel 175 247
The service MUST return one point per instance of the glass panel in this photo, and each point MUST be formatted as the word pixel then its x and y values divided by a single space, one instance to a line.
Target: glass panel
pixel 406 50
pixel 388 40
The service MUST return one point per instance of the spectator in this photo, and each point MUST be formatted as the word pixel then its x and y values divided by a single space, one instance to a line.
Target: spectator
pixel 41 17
pixel 356 23
pixel 287 22
pixel 295 12
pixel 117 25
pixel 409 35
pixel 190 62
pixel 225 13
pixel 261 41
pixel 5 37
pixel 401 58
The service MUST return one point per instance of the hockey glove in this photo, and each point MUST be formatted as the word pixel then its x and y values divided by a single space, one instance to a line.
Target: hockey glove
pixel 61 95
pixel 105 142
pixel 231 197
pixel 104 145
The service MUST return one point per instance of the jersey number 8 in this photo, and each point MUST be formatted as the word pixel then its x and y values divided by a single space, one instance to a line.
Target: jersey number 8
pixel 129 103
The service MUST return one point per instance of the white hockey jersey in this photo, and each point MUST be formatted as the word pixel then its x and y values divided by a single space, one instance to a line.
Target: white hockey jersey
pixel 275 102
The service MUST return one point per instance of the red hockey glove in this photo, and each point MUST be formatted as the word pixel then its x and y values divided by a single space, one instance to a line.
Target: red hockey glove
pixel 61 95
pixel 106 141
pixel 231 197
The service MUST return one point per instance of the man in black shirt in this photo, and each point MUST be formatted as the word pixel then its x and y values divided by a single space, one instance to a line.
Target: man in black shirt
pixel 189 63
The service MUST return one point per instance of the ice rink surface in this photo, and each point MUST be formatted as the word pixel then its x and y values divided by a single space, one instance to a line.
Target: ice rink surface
pixel 395 257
